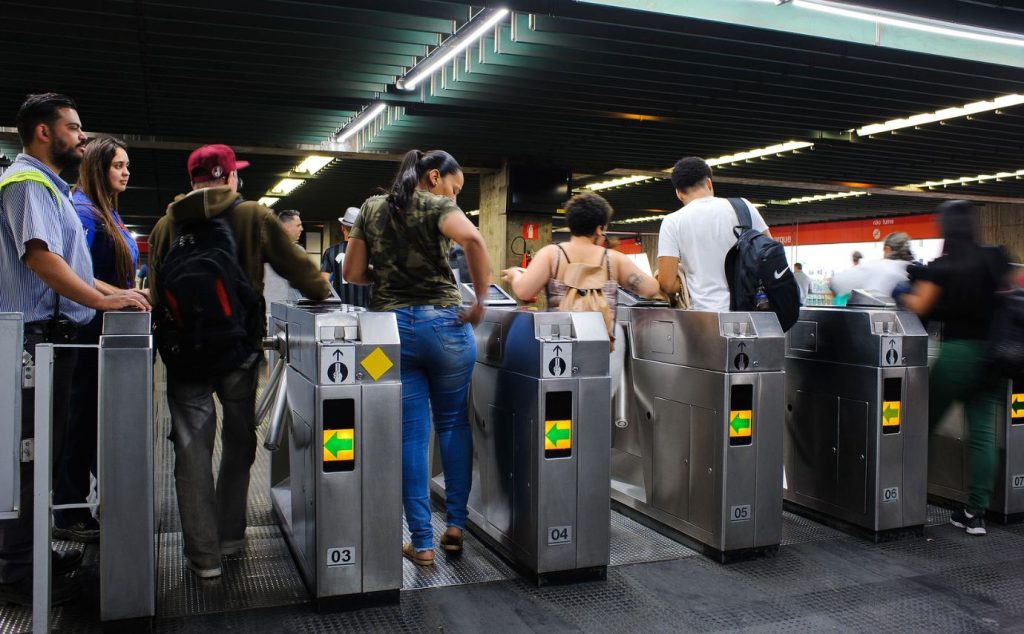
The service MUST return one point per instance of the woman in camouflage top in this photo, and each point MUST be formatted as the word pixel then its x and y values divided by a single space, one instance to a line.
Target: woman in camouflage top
pixel 400 244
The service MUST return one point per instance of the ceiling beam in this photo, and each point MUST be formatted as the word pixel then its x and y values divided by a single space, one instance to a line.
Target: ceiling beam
pixel 792 18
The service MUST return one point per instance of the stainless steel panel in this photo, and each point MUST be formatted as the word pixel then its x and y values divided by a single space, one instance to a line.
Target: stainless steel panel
pixel 671 457
pixel 126 470
pixel 593 508
pixel 11 349
pixel 381 446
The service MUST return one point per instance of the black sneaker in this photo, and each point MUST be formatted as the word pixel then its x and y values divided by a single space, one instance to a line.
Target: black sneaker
pixel 62 590
pixel 81 532
pixel 974 525
pixel 65 561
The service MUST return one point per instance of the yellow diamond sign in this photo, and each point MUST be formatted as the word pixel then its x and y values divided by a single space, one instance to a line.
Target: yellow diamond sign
pixel 377 363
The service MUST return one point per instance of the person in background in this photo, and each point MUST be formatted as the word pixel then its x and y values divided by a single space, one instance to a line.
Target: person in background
pixel 143 275
pixel 457 260
pixel 881 276
pixel 333 260
pixel 275 287
pixel 102 176
pixel 47 277
pixel 959 289
pixel 803 281
pixel 406 236
pixel 856 257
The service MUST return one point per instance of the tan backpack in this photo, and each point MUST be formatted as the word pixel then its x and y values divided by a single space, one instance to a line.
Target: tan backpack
pixel 585 291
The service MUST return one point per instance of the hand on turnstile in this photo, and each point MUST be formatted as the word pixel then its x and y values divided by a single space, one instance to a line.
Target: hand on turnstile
pixel 473 314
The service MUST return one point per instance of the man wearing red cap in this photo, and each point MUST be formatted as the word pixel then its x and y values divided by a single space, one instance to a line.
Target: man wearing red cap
pixel 213 518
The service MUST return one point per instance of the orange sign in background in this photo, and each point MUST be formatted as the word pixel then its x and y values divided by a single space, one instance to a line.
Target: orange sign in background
pixel 918 227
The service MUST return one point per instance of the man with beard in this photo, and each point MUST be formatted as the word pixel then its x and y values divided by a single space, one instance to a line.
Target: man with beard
pixel 47 274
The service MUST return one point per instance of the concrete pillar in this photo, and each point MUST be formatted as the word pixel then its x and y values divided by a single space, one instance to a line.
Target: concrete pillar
pixel 503 230
pixel 1003 224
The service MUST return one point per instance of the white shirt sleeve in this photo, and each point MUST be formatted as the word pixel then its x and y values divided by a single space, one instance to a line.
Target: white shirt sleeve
pixel 667 245
pixel 757 223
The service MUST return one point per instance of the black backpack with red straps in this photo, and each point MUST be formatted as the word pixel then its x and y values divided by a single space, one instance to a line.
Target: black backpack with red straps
pixel 209 316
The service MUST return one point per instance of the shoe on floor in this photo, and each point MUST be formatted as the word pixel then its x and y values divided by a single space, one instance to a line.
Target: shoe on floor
pixel 82 532
pixel 232 546
pixel 62 590
pixel 65 561
pixel 201 572
pixel 451 543
pixel 973 524
pixel 417 558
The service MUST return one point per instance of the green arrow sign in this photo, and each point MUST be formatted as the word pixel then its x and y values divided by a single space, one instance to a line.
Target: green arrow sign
pixel 737 423
pixel 556 433
pixel 1017 406
pixel 889 412
pixel 336 444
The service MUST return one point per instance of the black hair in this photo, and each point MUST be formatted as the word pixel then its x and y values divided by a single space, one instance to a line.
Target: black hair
pixel 414 165
pixel 798 265
pixel 958 229
pixel 285 215
pixel 688 172
pixel 587 211
pixel 41 108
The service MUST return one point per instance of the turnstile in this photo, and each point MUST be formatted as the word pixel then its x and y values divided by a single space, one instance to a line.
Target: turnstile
pixel 339 501
pixel 539 410
pixel 11 380
pixel 857 416
pixel 948 451
pixel 697 445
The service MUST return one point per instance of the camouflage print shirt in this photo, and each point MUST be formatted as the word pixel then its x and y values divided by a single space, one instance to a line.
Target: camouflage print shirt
pixel 410 259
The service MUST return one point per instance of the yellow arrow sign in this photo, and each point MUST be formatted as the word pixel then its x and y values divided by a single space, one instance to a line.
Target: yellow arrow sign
pixel 339 444
pixel 1017 406
pixel 890 413
pixel 557 434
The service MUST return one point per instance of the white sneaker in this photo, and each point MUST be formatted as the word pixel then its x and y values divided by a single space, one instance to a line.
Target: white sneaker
pixel 203 573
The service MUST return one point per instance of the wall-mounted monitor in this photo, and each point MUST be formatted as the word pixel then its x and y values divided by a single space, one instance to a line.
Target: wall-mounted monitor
pixel 538 188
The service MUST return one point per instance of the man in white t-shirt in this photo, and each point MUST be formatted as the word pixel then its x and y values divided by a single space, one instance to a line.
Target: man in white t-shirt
pixel 695 239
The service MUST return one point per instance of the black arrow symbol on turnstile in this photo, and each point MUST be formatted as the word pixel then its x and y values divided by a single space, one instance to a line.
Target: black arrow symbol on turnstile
pixel 742 346
pixel 558 350
pixel 892 343
pixel 337 354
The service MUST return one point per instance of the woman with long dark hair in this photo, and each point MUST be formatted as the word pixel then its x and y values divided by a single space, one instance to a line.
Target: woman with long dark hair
pixel 102 175
pixel 400 244
pixel 959 289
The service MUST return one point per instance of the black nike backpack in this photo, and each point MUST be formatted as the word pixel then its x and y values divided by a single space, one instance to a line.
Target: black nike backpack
pixel 209 313
pixel 758 273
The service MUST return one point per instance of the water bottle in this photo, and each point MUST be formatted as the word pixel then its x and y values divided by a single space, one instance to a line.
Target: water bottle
pixel 761 299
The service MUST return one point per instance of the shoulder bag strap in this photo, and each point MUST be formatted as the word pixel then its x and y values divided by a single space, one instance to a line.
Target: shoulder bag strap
pixel 742 215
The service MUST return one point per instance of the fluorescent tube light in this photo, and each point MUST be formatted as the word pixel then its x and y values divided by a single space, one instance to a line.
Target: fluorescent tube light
pixel 617 182
pixel 779 148
pixel 817 198
pixel 470 32
pixel 313 164
pixel 964 180
pixel 360 121
pixel 941 115
pixel 912 22
pixel 285 186
pixel 630 221
pixel 268 201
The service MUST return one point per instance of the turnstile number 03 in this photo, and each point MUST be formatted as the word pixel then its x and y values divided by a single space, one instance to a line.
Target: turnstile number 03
pixel 539 409
pixel 338 494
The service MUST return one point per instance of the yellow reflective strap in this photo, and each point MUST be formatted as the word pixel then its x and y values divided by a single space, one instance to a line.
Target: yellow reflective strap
pixel 32 176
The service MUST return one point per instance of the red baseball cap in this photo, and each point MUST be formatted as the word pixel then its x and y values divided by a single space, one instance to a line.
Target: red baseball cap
pixel 211 162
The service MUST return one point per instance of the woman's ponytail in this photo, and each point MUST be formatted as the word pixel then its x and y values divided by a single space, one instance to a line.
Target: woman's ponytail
pixel 405 183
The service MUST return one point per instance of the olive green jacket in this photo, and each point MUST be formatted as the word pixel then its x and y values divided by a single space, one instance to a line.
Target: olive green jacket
pixel 259 238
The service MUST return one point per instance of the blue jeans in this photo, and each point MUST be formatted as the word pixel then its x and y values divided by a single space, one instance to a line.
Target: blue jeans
pixel 438 354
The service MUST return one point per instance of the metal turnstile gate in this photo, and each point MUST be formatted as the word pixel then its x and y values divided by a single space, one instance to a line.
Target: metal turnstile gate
pixel 338 494
pixel 697 444
pixel 857 416
pixel 948 450
pixel 539 409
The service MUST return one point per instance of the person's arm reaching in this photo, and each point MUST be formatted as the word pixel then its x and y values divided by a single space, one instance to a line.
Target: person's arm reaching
pixel 527 283
pixel 290 262
pixel 456 226
pixel 668 274
pixel 633 279
pixel 55 273
pixel 356 267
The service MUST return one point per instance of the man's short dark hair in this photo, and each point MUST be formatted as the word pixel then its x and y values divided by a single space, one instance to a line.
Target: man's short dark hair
pixel 688 172
pixel 285 215
pixel 798 266
pixel 585 212
pixel 41 108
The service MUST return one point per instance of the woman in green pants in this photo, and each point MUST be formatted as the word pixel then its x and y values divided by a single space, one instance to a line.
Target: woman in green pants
pixel 959 289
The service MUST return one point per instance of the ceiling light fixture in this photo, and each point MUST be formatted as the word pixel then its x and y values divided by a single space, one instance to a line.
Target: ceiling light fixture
pixel 789 146
pixel 313 164
pixel 817 197
pixel 630 221
pixel 360 121
pixel 941 115
pixel 914 22
pixel 285 186
pixel 617 182
pixel 268 201
pixel 964 180
pixel 471 31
